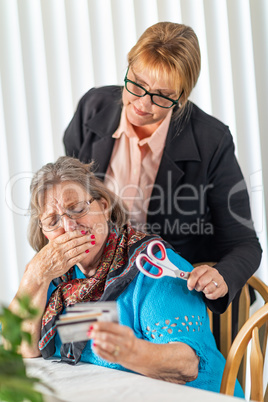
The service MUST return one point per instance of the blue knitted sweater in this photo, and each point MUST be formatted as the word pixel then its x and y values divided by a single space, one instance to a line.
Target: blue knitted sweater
pixel 162 311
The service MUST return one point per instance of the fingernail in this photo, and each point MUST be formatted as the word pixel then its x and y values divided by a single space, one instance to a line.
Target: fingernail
pixel 92 236
pixel 93 242
pixel 87 251
pixel 90 328
pixel 94 344
pixel 83 232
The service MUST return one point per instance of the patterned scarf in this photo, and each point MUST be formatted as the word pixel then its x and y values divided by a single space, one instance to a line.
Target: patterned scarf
pixel 114 273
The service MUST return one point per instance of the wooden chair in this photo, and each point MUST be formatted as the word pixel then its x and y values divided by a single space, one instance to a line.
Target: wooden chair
pixel 244 309
pixel 249 331
pixel 225 319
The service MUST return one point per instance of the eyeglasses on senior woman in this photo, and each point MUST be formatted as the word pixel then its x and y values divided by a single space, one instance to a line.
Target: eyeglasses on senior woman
pixel 74 211
pixel 159 100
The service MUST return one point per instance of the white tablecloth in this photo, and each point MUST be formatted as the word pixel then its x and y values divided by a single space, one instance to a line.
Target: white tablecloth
pixel 87 382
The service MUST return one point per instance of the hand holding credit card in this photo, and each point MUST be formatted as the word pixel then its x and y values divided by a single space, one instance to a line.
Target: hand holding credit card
pixel 74 325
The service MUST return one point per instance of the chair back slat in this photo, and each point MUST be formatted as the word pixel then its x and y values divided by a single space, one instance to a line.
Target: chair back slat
pixel 256 367
pixel 226 331
pixel 210 316
pixel 263 335
pixel 244 306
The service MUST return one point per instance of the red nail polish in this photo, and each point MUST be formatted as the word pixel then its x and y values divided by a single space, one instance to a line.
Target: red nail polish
pixel 93 242
pixel 83 232
pixel 94 344
pixel 90 328
pixel 92 236
pixel 87 251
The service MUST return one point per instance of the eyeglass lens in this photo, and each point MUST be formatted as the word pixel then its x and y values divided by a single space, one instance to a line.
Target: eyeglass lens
pixel 137 90
pixel 76 211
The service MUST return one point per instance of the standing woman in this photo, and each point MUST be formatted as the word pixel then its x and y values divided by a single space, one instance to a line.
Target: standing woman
pixel 173 164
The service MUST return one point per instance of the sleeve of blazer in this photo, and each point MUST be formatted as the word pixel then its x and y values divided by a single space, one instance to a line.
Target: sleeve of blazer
pixel 235 237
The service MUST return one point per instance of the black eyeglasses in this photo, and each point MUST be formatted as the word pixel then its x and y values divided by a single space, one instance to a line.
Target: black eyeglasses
pixel 74 211
pixel 159 100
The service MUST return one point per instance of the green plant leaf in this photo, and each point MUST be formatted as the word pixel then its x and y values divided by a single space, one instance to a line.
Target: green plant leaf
pixel 15 385
pixel 11 363
pixel 26 337
pixel 26 309
pixel 13 389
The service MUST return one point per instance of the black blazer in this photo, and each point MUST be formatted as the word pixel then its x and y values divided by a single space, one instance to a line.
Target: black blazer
pixel 199 203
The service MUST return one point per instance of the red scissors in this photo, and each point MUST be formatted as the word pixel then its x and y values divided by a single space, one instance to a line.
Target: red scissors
pixel 163 264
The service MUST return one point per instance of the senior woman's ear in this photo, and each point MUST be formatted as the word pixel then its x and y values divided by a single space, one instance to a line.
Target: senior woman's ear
pixel 106 209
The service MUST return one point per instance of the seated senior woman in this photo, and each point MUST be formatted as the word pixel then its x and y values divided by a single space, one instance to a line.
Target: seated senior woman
pixel 86 251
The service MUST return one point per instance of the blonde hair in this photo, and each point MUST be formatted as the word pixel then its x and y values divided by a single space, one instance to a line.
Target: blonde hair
pixel 170 51
pixel 68 169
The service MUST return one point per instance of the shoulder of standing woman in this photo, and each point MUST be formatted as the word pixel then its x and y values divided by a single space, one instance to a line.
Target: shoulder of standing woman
pixel 199 116
pixel 101 95
pixel 205 129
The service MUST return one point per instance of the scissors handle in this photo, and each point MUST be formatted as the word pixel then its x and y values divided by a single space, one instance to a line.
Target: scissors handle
pixel 160 246
pixel 163 265
pixel 143 270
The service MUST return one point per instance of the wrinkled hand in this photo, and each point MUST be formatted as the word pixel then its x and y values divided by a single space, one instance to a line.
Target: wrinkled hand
pixel 114 342
pixel 208 280
pixel 174 362
pixel 60 254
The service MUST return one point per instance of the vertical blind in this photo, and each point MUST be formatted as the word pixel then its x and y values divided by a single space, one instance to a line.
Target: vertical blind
pixel 52 52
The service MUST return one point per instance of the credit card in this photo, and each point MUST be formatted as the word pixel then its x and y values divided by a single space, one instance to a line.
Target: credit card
pixel 74 325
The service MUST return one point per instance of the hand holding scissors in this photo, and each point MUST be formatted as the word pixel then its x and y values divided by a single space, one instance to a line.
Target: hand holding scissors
pixel 163 264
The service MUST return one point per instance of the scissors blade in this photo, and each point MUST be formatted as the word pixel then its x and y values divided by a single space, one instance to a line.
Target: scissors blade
pixel 169 269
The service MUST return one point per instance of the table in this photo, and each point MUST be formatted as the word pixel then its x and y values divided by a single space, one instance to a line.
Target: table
pixel 86 382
